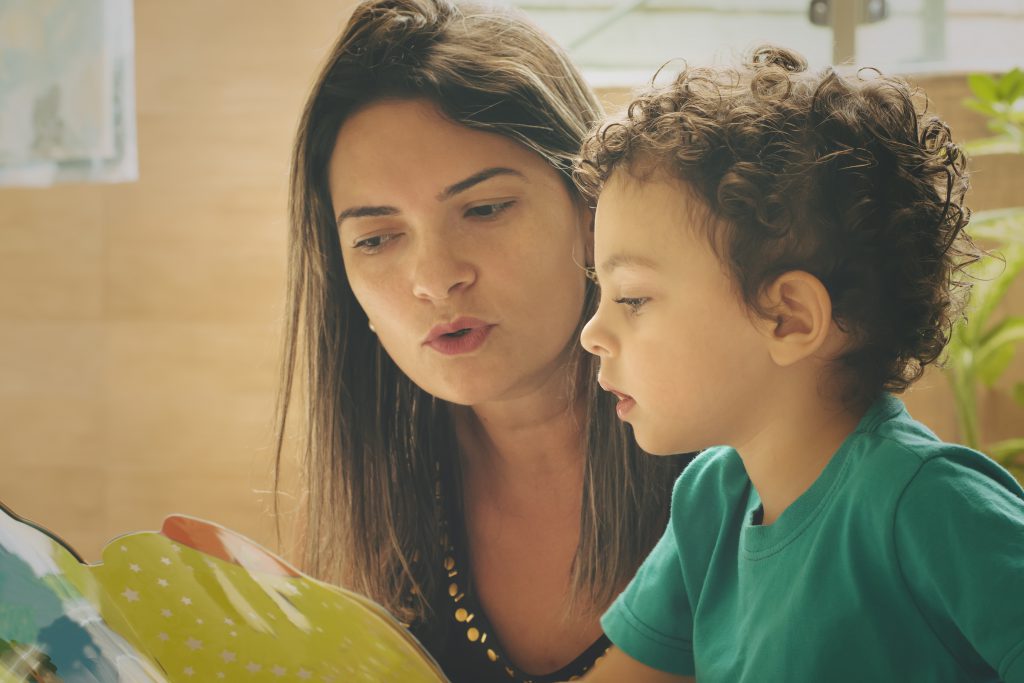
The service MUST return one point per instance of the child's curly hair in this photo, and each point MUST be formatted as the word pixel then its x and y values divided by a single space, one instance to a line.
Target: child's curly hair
pixel 840 177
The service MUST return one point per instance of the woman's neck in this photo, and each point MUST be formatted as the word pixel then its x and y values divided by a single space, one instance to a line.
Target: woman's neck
pixel 515 451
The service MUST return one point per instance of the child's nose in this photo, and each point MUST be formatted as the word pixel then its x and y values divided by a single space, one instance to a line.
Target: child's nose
pixel 594 338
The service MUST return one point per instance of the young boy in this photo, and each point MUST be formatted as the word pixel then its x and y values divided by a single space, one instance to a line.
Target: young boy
pixel 778 253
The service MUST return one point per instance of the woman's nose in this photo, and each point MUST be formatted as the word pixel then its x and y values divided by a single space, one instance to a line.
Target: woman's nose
pixel 439 271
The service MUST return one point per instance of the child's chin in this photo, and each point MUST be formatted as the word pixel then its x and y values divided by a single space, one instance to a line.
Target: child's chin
pixel 655 446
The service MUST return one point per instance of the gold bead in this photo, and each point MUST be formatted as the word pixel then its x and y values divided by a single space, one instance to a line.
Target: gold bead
pixel 473 634
pixel 492 655
pixel 461 614
pixel 453 589
pixel 449 563
pixel 483 638
pixel 510 672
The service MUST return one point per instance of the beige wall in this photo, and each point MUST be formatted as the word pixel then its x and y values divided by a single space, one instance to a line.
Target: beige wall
pixel 139 323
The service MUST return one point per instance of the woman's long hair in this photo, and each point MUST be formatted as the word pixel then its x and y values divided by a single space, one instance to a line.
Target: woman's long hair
pixel 377 448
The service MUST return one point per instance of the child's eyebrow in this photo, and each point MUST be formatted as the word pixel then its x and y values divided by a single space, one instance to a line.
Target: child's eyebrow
pixel 619 260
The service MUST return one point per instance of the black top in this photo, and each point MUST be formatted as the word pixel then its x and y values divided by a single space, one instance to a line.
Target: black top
pixel 469 651
pixel 461 638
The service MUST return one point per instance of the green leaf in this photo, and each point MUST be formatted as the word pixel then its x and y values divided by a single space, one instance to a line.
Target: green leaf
pixel 996 144
pixel 1011 86
pixel 1010 331
pixel 999 225
pixel 994 364
pixel 984 108
pixel 1006 451
pixel 992 277
pixel 984 87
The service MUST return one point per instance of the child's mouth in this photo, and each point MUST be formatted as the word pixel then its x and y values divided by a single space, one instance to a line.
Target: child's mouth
pixel 625 404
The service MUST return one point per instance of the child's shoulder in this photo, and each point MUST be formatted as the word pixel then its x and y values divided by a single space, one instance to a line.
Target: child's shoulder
pixel 715 477
pixel 932 469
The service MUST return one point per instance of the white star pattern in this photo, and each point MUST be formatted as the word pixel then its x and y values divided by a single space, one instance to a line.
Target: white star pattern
pixel 304 675
pixel 252 667
pixel 186 600
pixel 163 636
pixel 130 595
pixel 234 633
pixel 135 568
pixel 220 674
pixel 193 644
pixel 165 560
pixel 166 612
pixel 124 549
pixel 229 622
pixel 279 670
pixel 199 621
pixel 162 583
pixel 228 656
pixel 189 671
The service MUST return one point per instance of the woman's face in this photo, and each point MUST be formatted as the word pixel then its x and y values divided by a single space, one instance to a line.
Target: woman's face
pixel 461 246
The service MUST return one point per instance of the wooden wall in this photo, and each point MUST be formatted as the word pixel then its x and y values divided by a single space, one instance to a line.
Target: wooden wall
pixel 139 323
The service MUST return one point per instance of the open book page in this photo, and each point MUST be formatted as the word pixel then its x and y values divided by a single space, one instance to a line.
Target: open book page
pixel 205 604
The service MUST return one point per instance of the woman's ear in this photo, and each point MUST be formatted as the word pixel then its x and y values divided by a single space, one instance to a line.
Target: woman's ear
pixel 801 317
pixel 587 213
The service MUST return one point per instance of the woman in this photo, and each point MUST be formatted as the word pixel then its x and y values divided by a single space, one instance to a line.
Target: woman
pixel 461 466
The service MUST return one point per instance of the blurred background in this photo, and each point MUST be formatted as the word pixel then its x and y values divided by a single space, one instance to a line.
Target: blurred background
pixel 142 288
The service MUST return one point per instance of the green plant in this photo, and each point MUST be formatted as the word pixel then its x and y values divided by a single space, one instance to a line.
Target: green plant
pixel 1000 99
pixel 982 347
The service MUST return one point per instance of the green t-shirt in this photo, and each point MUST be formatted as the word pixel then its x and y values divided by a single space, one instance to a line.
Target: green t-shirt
pixel 904 561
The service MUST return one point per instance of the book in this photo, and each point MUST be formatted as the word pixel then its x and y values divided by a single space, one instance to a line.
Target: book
pixel 192 602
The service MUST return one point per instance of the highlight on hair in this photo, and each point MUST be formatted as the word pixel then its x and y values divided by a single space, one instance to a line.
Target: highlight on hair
pixel 845 178
pixel 379 452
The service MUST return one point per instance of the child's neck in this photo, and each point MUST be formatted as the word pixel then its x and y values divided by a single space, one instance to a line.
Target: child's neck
pixel 797 439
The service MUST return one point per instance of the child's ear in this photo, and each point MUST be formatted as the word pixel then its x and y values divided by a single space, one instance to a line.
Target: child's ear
pixel 801 316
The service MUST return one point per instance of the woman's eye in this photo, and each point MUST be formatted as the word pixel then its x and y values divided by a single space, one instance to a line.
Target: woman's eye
pixel 486 211
pixel 371 245
pixel 634 304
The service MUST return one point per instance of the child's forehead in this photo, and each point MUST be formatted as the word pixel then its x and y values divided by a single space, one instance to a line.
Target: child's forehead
pixel 654 204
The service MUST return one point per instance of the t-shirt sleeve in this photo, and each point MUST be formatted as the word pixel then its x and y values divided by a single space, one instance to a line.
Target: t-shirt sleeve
pixel 651 620
pixel 959 539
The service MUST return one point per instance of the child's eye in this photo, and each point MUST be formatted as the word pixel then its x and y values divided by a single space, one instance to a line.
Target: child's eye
pixel 634 304
pixel 488 211
pixel 372 245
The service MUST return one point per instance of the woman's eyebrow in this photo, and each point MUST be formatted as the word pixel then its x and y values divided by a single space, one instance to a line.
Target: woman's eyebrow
pixel 476 179
pixel 362 211
pixel 446 193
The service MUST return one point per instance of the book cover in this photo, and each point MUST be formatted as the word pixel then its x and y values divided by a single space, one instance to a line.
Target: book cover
pixel 193 602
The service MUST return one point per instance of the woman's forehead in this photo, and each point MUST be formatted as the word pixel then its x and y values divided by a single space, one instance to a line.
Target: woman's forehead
pixel 396 145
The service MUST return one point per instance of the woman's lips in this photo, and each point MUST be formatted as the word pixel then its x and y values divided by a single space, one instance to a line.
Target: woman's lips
pixel 462 335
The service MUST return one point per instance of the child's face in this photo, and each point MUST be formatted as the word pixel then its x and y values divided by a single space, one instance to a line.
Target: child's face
pixel 677 344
